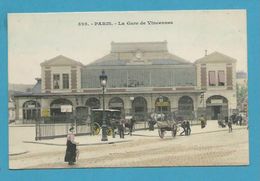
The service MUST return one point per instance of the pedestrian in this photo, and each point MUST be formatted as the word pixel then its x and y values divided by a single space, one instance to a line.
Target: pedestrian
pixel 233 118
pixel 188 129
pixel 71 150
pixel 230 126
pixel 151 123
pixel 121 128
pixel 202 121
pixel 113 127
pixel 240 119
pixel 131 126
pixel 183 126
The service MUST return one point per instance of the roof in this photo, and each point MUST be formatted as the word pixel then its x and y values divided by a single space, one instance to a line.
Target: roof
pixel 37 87
pixel 154 53
pixel 216 57
pixel 142 46
pixel 61 61
pixel 109 110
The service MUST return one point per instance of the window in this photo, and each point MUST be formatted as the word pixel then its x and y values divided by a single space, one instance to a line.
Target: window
pixel 65 81
pixel 221 78
pixel 212 78
pixel 56 81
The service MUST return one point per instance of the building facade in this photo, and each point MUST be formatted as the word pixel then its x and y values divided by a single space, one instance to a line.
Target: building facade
pixel 139 74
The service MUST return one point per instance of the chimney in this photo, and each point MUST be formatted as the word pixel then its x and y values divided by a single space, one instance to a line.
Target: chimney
pixel 206 53
pixel 38 80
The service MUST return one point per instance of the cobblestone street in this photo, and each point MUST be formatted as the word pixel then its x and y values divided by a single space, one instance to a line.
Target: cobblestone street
pixel 212 148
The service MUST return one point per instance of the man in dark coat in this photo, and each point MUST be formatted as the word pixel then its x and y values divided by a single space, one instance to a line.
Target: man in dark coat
pixel 151 123
pixel 121 128
pixel 188 129
pixel 202 121
pixel 183 126
pixel 131 126
pixel 230 126
pixel 240 119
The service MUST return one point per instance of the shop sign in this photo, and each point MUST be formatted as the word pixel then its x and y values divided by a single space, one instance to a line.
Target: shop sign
pixel 66 108
pixel 162 104
pixel 216 101
pixel 45 112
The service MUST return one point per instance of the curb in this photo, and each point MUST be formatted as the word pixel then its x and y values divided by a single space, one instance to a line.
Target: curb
pixel 86 144
pixel 20 153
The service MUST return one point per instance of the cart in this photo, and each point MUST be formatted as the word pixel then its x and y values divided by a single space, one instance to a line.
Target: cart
pixel 167 125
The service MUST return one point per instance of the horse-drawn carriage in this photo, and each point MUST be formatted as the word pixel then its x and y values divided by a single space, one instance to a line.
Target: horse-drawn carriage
pixel 166 123
pixel 112 118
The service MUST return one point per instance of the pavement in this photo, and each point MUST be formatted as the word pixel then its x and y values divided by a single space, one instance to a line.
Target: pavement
pixel 86 140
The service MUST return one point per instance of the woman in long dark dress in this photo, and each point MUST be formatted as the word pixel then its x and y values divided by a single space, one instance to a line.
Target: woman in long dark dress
pixel 71 150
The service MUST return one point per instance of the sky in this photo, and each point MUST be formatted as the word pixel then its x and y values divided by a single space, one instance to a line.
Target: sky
pixel 34 38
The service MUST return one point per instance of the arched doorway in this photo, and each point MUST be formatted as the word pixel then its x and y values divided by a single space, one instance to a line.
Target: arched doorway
pixel 93 103
pixel 55 107
pixel 163 105
pixel 31 110
pixel 216 106
pixel 116 103
pixel 139 107
pixel 186 107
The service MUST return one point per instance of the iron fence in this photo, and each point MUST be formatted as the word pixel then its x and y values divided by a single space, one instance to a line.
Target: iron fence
pixel 58 126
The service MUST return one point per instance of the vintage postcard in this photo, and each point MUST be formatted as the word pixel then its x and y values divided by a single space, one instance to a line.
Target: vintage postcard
pixel 128 89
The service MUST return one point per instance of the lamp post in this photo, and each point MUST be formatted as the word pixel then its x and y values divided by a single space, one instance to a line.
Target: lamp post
pixel 103 83
pixel 203 106
pixel 161 102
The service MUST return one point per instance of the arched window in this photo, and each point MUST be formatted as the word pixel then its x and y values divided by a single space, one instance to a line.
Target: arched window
pixel 163 105
pixel 185 104
pixel 31 110
pixel 116 103
pixel 186 108
pixel 93 103
pixel 217 99
pixel 55 107
pixel 139 107
pixel 217 107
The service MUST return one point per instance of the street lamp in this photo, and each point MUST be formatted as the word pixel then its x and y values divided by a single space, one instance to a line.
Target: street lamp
pixel 103 83
pixel 161 103
pixel 202 100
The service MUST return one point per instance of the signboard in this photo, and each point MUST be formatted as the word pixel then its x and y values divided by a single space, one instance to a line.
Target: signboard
pixel 216 101
pixel 66 108
pixel 31 106
pixel 116 104
pixel 162 104
pixel 45 112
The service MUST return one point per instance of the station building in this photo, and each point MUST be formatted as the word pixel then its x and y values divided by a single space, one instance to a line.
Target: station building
pixel 139 73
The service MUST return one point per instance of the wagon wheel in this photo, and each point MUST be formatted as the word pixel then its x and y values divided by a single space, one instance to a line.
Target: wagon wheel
pixel 95 128
pixel 109 131
pixel 161 133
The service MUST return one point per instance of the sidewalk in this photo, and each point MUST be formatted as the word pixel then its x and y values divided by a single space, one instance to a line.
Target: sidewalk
pixel 86 140
pixel 212 126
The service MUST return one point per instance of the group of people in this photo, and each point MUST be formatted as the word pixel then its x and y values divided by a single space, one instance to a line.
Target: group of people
pixel 72 152
pixel 236 119
pixel 185 125
pixel 229 121
pixel 121 125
